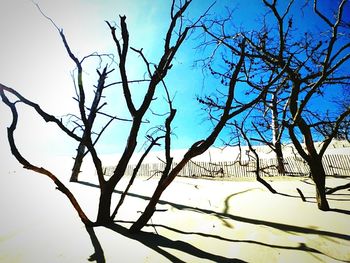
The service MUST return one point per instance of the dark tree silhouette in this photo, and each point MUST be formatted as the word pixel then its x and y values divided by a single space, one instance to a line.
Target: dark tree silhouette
pixel 314 69
pixel 311 61
pixel 82 131
pixel 259 66
pixel 267 126
pixel 226 112
pixel 178 31
pixel 255 156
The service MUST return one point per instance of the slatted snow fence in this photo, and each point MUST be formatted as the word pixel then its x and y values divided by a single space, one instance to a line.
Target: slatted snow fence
pixel 334 164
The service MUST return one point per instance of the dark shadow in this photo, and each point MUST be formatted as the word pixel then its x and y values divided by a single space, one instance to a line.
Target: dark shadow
pixel 280 226
pixel 98 256
pixel 157 242
pixel 306 181
pixel 153 241
pixel 227 199
pixel 338 194
pixel 301 247
pixel 341 211
pixel 339 199
pixel 338 176
pixel 227 206
pixel 298 197
pixel 337 188
pixel 220 215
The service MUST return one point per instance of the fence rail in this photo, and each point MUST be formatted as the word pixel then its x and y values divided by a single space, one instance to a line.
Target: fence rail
pixel 334 164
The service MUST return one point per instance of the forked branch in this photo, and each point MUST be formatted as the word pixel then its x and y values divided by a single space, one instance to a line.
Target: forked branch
pixel 27 165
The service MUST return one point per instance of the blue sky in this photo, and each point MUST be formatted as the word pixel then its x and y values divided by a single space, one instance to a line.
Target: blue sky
pixel 34 62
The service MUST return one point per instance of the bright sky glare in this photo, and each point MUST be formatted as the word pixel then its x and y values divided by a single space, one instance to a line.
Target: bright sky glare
pixel 34 61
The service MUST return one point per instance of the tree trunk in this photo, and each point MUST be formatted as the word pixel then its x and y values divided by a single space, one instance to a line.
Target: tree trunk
pixel 149 211
pixel 104 209
pixel 198 147
pixel 276 140
pixel 77 163
pixel 280 160
pixel 319 177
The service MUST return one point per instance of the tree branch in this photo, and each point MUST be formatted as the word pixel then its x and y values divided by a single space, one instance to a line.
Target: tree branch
pixel 27 165
pixel 47 117
pixel 122 52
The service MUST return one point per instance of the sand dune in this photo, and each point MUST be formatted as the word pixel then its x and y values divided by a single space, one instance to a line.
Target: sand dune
pixel 197 220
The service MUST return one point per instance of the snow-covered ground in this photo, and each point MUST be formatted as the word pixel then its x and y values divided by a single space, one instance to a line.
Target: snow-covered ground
pixel 196 220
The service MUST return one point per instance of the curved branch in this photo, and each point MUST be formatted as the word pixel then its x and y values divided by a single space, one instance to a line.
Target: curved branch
pixel 47 117
pixel 27 165
pixel 122 53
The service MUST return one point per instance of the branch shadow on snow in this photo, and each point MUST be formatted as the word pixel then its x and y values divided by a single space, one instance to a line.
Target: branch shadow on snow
pixel 156 242
pixel 309 199
pixel 341 211
pixel 301 246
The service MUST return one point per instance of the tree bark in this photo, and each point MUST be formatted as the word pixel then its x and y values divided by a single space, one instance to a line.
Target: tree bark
pixel 280 160
pixel 104 209
pixel 200 146
pixel 27 165
pixel 196 149
pixel 319 177
pixel 149 210
pixel 276 136
pixel 78 161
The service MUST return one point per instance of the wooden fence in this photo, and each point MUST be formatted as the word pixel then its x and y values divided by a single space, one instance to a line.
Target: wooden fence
pixel 335 165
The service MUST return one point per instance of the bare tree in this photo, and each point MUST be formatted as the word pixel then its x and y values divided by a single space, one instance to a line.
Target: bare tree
pixel 310 62
pixel 226 112
pixel 310 76
pixel 268 126
pixel 268 114
pixel 82 130
pixel 224 104
pixel 84 122
pixel 343 101
pixel 26 164
pixel 175 36
pixel 258 169
pixel 177 32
